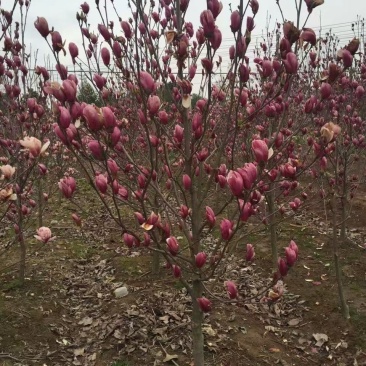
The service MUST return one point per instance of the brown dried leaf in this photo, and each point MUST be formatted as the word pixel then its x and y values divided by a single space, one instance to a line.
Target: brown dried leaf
pixel 169 357
pixel 293 322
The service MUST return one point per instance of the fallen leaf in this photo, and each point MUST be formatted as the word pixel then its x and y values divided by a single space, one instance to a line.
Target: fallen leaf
pixel 274 350
pixel 320 338
pixel 86 321
pixel 293 322
pixel 169 357
pixel 79 352
pixel 209 331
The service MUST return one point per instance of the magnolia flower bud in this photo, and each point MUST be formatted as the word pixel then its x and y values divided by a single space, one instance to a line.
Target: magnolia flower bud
pixel 282 267
pixel 65 117
pixel 291 63
pixel 231 289
pixel 74 51
pixel 210 216
pixel 255 6
pixel 177 272
pixel 208 23
pixel 204 304
pixel 250 253
pixel 187 182
pixel 308 35
pixel 235 21
pixel 153 104
pixel 85 7
pixel 106 56
pixel 101 183
pixel 200 259
pixel 226 228
pixel 96 149
pixel 173 246
pixel 147 82
pixel 235 182
pixel 103 30
pixel 76 219
pixel 294 247
pixel 42 26
pixel 129 240
pixel 325 90
pixel 260 150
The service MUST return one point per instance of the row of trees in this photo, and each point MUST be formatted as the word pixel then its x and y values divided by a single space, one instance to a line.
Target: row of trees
pixel 186 167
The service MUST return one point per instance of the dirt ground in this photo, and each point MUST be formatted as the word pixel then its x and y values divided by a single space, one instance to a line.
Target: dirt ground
pixel 67 314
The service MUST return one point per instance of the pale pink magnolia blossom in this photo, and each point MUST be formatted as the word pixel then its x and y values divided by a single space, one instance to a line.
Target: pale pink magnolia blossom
pixel 7 171
pixel 44 235
pixel 34 145
pixel 7 194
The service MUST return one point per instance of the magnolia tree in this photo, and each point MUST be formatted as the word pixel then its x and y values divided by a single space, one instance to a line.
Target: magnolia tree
pixel 191 178
pixel 337 105
pixel 26 146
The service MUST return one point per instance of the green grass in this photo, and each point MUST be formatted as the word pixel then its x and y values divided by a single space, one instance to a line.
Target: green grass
pixel 80 250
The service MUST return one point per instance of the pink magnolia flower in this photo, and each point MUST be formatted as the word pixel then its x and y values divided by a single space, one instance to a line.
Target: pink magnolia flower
pixel 44 234
pixel 67 186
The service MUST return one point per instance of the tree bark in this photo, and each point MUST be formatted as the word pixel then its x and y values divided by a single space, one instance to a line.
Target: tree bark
pixel 272 224
pixel 197 320
pixel 338 271
pixel 155 263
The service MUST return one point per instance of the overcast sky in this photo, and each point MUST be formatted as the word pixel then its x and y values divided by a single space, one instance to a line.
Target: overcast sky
pixel 61 14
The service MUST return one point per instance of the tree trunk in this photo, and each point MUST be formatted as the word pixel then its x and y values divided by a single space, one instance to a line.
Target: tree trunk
pixel 22 245
pixel 40 204
pixel 344 306
pixel 155 263
pixel 197 320
pixel 272 224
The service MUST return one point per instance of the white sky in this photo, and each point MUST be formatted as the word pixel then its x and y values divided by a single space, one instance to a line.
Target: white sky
pixel 61 14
